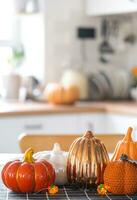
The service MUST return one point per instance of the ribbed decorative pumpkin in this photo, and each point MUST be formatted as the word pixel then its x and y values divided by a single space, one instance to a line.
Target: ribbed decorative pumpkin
pixel 87 160
pixel 120 177
pixel 28 175
pixel 126 146
pixel 59 94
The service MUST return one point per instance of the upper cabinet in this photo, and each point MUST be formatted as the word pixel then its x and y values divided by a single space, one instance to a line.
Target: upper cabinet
pixel 108 7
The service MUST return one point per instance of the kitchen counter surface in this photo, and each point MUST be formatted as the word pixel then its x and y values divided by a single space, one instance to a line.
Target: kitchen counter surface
pixel 35 108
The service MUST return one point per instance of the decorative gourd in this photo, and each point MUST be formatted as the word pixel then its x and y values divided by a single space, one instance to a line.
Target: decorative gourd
pixel 120 177
pixel 53 189
pixel 126 146
pixel 28 175
pixel 58 94
pixel 87 160
pixel 58 159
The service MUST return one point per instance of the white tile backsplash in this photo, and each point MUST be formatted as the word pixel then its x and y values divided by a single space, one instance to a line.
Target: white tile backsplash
pixel 62 17
pixel 62 45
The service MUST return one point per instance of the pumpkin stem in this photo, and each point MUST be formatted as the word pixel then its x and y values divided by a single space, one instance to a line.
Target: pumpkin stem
pixel 28 156
pixel 128 137
pixel 88 134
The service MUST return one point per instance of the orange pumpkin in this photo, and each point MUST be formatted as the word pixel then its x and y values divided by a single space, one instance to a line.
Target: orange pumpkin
pixel 58 94
pixel 28 175
pixel 120 177
pixel 126 146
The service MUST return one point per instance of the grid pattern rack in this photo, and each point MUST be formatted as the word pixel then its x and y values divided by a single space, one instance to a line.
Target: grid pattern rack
pixel 65 193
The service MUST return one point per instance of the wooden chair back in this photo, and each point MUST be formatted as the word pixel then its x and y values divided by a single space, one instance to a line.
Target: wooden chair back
pixel 45 142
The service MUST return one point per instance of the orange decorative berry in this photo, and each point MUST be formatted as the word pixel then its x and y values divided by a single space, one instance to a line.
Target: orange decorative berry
pixel 53 189
pixel 101 189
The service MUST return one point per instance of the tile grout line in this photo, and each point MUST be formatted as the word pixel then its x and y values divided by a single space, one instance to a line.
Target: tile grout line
pixel 87 195
pixel 129 197
pixel 7 194
pixel 66 193
pixel 108 197
pixel 47 196
pixel 27 196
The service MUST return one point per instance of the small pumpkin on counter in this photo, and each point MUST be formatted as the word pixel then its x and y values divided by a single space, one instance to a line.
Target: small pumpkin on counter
pixel 120 176
pixel 126 146
pixel 29 175
pixel 87 160
pixel 58 94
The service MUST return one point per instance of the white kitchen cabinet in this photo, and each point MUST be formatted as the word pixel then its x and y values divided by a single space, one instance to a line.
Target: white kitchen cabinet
pixel 119 123
pixel 77 123
pixel 12 127
pixel 107 123
pixel 105 7
pixel 95 122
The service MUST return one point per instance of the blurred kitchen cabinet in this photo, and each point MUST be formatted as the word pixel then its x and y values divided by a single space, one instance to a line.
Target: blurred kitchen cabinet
pixel 106 7
pixel 9 128
pixel 95 122
pixel 12 127
pixel 120 123
pixel 68 123
pixel 107 123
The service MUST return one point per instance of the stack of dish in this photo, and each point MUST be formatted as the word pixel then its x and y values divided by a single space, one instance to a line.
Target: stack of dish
pixel 110 84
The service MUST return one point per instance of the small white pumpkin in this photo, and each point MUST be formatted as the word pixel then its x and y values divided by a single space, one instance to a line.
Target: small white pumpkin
pixel 58 159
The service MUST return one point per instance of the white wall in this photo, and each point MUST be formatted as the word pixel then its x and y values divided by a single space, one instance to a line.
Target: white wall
pixel 62 18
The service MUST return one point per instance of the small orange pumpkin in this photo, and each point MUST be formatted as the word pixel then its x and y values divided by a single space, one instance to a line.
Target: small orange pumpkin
pixel 53 189
pixel 126 146
pixel 120 177
pixel 58 94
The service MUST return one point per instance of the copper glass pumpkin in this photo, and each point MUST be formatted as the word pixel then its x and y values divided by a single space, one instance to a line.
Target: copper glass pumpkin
pixel 87 160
